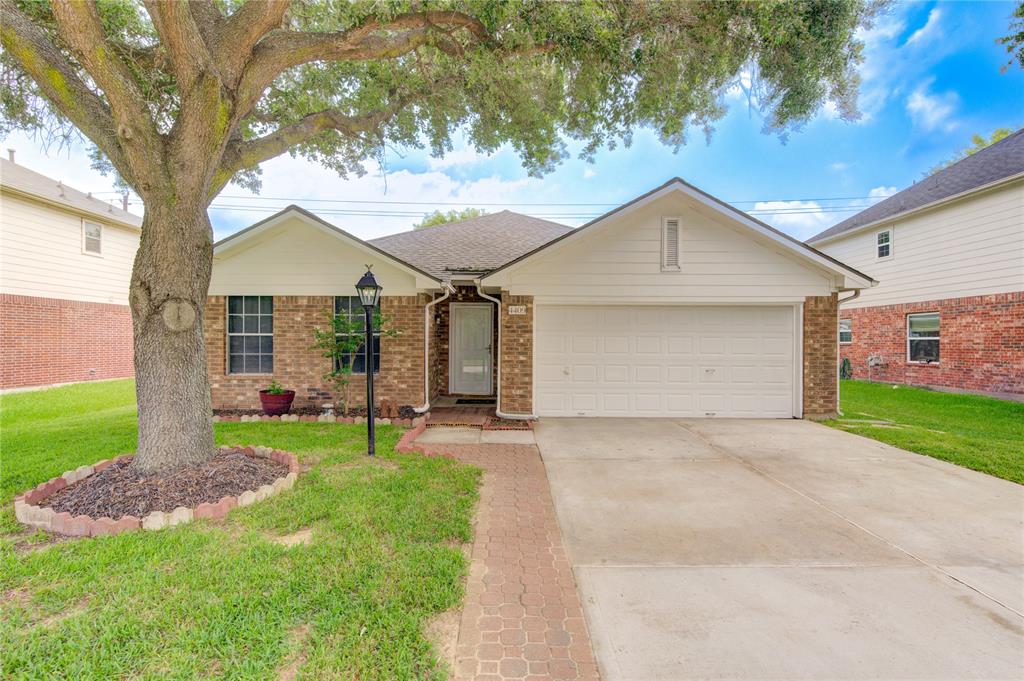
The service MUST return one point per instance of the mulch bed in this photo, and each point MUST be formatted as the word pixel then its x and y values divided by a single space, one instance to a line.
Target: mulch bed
pixel 498 423
pixel 118 490
pixel 404 412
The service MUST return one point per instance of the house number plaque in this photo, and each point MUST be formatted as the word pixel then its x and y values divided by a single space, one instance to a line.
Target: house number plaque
pixel 516 309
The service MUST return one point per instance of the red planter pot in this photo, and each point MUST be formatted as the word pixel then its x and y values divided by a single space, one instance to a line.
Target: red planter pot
pixel 275 405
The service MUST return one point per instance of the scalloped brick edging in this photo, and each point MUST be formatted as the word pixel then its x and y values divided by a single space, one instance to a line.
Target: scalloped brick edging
pixel 322 418
pixel 28 511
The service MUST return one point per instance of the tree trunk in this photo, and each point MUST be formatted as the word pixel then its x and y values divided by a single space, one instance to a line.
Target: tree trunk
pixel 170 280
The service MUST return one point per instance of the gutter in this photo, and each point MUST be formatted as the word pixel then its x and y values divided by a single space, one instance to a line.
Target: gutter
pixel 448 289
pixel 497 392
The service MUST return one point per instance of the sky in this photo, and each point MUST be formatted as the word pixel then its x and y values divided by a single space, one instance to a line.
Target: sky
pixel 932 77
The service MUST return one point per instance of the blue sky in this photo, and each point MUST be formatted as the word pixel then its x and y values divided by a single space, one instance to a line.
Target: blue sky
pixel 931 79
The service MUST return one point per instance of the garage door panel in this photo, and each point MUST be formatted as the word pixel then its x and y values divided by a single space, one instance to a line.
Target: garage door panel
pixel 665 361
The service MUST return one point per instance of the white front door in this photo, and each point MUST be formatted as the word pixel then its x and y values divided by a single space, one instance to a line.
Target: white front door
pixel 469 362
pixel 732 361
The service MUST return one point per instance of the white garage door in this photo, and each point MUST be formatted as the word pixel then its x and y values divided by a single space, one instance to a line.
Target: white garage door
pixel 664 361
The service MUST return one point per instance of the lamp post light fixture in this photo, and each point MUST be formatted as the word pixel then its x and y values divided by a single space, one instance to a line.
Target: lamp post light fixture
pixel 369 295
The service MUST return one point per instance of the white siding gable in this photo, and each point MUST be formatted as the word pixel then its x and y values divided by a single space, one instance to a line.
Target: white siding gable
pixel 299 258
pixel 42 255
pixel 970 247
pixel 621 260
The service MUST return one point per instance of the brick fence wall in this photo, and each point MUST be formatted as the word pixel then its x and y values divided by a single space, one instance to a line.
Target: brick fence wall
pixel 299 367
pixel 516 356
pixel 981 343
pixel 50 340
pixel 821 326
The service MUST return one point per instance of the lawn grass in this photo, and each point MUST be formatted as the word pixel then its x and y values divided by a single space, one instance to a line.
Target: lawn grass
pixel 976 432
pixel 221 599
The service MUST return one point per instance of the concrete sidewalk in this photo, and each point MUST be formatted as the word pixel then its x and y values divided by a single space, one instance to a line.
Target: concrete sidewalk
pixel 723 549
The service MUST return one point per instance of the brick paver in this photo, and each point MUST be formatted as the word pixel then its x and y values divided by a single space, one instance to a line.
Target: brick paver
pixel 522 617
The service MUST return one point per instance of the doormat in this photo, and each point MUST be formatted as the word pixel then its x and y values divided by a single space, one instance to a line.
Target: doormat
pixel 474 400
pixel 498 423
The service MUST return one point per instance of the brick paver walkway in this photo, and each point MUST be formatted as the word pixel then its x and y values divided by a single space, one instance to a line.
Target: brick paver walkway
pixel 522 617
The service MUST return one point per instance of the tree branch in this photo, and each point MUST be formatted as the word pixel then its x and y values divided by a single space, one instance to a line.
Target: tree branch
pixel 187 51
pixel 242 30
pixel 58 80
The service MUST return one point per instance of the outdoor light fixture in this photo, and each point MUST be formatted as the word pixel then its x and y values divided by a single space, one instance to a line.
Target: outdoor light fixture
pixel 369 296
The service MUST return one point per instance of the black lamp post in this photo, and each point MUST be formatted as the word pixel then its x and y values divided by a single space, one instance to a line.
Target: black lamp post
pixel 369 296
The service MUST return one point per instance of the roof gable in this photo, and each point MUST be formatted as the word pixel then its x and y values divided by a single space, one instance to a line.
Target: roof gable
pixel 852 278
pixel 1002 161
pixel 232 244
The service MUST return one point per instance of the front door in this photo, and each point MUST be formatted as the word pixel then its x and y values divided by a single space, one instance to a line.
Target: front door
pixel 470 359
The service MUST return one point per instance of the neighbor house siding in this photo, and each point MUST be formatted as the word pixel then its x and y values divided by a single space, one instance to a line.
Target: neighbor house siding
pixel 300 367
pixel 41 255
pixel 981 344
pixel 47 341
pixel 970 247
pixel 621 262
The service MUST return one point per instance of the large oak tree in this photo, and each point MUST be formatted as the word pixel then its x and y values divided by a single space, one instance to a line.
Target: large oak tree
pixel 181 98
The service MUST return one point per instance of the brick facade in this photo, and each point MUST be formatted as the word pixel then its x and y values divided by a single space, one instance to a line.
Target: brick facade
pixel 439 341
pixel 820 370
pixel 516 356
pixel 981 343
pixel 300 367
pixel 50 340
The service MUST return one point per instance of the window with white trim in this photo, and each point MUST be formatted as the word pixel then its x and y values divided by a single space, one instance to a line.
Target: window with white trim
pixel 670 244
pixel 883 244
pixel 923 338
pixel 92 238
pixel 250 334
pixel 352 307
pixel 845 331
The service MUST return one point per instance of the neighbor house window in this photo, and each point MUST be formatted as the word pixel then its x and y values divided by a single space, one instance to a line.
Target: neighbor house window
pixel 883 244
pixel 350 307
pixel 670 244
pixel 250 334
pixel 923 337
pixel 92 238
pixel 845 330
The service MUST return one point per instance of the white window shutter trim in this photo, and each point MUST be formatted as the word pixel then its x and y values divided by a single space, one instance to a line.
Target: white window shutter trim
pixel 670 244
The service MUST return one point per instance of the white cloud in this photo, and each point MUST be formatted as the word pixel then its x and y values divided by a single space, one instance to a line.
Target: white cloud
pixel 838 166
pixel 588 173
pixel 883 192
pixel 929 31
pixel 800 219
pixel 460 156
pixel 932 111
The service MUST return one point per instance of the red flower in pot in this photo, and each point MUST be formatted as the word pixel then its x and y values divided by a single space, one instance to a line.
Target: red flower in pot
pixel 275 400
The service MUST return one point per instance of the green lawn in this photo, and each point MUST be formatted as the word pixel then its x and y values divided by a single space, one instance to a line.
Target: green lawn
pixel 976 432
pixel 222 599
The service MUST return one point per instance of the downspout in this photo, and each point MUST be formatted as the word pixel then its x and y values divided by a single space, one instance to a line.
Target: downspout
pixel 497 406
pixel 839 350
pixel 426 347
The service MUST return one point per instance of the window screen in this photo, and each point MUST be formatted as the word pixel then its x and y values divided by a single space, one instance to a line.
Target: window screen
pixel 250 334
pixel 923 337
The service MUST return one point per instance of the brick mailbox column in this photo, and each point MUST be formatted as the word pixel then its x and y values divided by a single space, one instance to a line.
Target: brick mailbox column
pixel 821 356
pixel 516 355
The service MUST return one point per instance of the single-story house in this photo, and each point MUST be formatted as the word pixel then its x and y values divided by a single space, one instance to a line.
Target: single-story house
pixel 674 304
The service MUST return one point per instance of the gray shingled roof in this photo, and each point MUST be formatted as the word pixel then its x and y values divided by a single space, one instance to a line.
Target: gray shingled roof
pixel 476 245
pixel 1003 159
pixel 21 178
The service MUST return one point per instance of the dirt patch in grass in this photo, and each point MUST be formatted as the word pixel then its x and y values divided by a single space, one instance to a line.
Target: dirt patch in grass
pixel 297 638
pixel 30 541
pixel 120 490
pixel 364 462
pixel 443 632
pixel 303 536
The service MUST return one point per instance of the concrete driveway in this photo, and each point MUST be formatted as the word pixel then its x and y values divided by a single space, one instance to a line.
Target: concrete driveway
pixel 724 549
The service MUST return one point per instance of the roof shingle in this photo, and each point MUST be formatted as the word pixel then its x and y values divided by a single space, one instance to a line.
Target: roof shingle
pixel 1003 159
pixel 477 245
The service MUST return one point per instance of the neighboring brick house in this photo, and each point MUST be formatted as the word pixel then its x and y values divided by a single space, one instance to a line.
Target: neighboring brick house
pixel 674 304
pixel 949 252
pixel 65 266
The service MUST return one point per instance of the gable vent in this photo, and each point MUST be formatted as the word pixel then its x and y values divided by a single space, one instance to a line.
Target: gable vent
pixel 670 244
